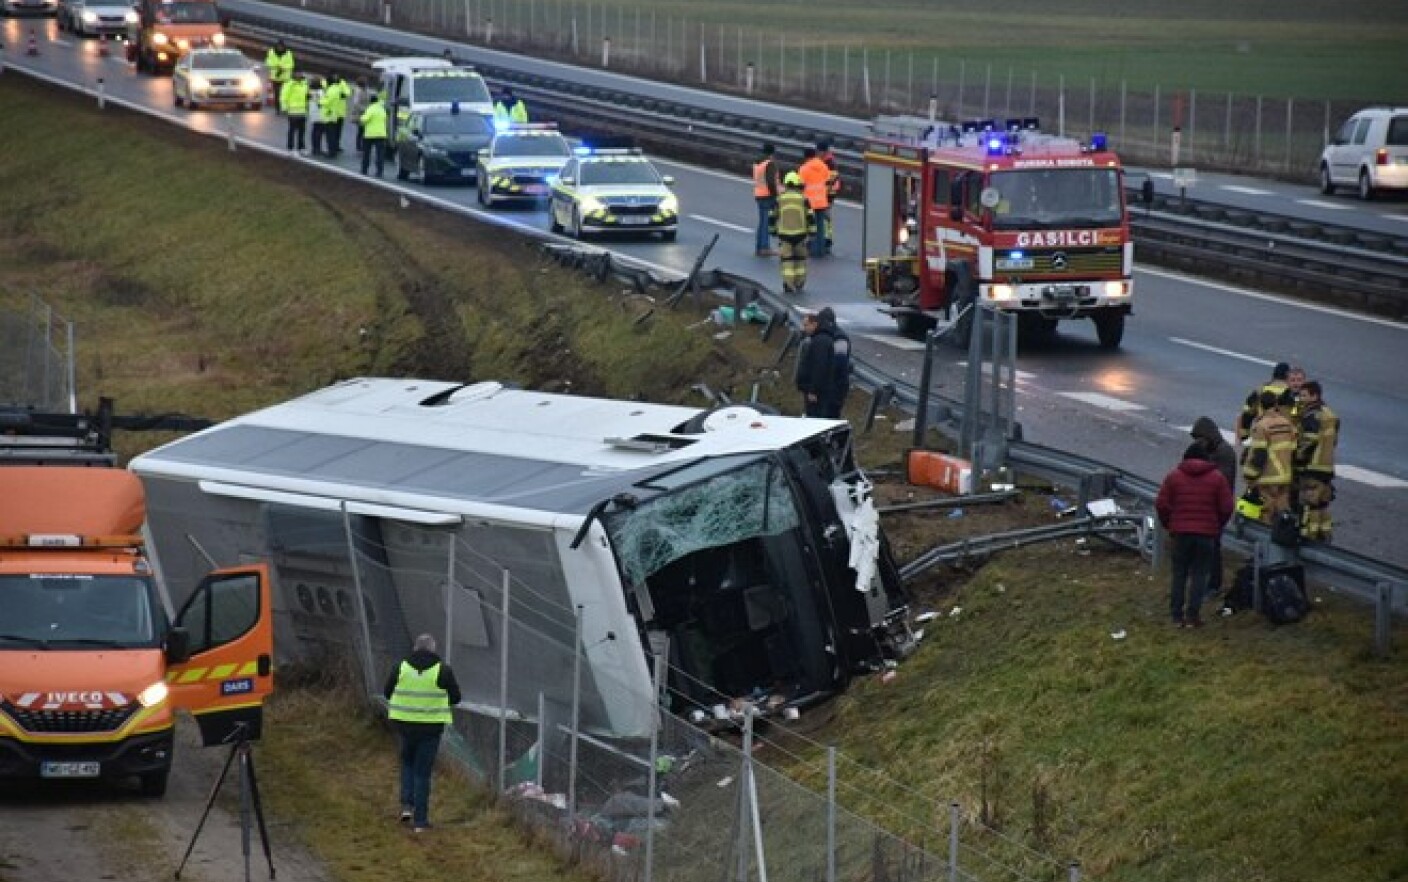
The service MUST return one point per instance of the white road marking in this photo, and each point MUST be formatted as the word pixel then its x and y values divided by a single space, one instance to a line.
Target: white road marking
pixel 1250 191
pixel 896 341
pixel 1100 399
pixel 1320 203
pixel 1373 479
pixel 1022 376
pixel 1273 298
pixel 1227 352
pixel 57 42
pixel 1348 472
pixel 718 223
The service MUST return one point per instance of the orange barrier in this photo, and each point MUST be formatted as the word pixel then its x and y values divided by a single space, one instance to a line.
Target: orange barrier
pixel 930 468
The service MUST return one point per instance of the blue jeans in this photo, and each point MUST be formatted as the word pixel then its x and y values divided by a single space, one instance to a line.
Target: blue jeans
pixel 823 231
pixel 1191 562
pixel 419 744
pixel 765 207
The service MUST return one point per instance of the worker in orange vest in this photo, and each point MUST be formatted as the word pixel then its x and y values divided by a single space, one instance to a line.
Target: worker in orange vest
pixel 833 186
pixel 816 180
pixel 765 194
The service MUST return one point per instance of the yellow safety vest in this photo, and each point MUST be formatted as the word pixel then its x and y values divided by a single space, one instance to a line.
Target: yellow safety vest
pixel 294 97
pixel 793 218
pixel 417 698
pixel 280 67
pixel 374 120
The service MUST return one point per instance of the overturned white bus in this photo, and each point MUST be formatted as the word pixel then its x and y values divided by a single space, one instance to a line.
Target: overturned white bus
pixel 746 543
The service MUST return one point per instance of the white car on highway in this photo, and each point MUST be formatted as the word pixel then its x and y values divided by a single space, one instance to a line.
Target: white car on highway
pixel 1370 153
pixel 215 76
pixel 96 18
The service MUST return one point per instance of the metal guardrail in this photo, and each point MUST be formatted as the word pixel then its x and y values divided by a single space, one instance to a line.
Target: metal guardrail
pixel 1311 260
pixel 1355 573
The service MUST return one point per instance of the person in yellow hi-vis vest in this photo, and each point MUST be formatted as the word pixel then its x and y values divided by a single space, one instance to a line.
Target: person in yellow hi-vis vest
pixel 279 63
pixel 420 693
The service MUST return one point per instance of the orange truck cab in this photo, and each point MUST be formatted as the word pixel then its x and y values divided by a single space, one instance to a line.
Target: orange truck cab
pixel 92 669
pixel 165 30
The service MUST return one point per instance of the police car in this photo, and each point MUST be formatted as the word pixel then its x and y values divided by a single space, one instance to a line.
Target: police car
pixel 613 191
pixel 412 84
pixel 519 162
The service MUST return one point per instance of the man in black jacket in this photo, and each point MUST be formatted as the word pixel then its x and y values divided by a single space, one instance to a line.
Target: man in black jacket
pixel 824 368
pixel 420 694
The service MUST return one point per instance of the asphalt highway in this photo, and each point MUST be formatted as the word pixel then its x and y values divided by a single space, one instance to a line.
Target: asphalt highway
pixel 1192 347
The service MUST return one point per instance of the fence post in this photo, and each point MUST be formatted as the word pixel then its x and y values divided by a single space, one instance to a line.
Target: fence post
pixel 865 74
pixel 1061 107
pixel 576 712
pixel 987 90
pixel 386 13
pixel 953 842
pixel 1192 124
pixel 703 61
pixel 1290 108
pixel 605 51
pixel 962 79
pixel 1383 618
pixel 748 74
pixel 1124 84
pixel 831 814
pixel 503 687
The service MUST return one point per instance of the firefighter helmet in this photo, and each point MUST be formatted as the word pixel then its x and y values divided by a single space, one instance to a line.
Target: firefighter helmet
pixel 792 179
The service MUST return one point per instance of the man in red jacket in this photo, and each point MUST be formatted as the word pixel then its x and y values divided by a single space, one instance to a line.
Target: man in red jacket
pixel 1194 504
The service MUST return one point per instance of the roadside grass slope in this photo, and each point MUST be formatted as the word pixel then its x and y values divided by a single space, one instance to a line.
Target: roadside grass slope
pixel 1235 752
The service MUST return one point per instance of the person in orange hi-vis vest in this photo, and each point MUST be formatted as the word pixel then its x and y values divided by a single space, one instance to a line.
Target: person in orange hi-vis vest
pixel 816 180
pixel 765 186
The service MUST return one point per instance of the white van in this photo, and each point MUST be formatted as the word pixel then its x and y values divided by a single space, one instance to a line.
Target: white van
pixel 431 84
pixel 1370 153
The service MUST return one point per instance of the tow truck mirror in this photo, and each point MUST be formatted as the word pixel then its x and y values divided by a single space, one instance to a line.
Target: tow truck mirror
pixel 178 646
pixel 1146 191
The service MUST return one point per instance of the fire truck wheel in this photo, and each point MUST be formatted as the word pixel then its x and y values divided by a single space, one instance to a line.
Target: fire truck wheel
pixel 153 784
pixel 1110 329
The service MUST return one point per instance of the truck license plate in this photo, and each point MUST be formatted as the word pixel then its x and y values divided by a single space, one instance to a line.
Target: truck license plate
pixel 69 770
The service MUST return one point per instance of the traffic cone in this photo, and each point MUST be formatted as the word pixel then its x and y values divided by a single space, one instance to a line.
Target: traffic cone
pixel 31 46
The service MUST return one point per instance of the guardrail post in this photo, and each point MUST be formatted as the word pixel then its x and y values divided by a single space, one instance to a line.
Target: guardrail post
pixel 386 13
pixel 953 842
pixel 230 131
pixel 882 398
pixel 605 51
pixel 1383 618
pixel 102 93
pixel 926 378
pixel 748 74
pixel 1073 871
pixel 933 108
pixel 489 33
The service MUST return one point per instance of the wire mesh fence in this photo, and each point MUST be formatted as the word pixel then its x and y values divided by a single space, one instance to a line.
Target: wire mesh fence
pixel 36 357
pixel 1227 130
pixel 595 740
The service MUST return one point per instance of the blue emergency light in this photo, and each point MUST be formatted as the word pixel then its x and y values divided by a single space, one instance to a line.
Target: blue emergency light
pixel 1098 142
pixel 994 146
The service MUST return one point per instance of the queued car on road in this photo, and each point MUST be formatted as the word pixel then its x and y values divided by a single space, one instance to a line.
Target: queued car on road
pixel 442 145
pixel 96 18
pixel 613 191
pixel 166 30
pixel 210 77
pixel 1369 153
pixel 35 7
pixel 519 162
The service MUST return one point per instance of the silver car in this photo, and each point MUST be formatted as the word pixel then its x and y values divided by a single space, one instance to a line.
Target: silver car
pixel 205 77
pixel 96 18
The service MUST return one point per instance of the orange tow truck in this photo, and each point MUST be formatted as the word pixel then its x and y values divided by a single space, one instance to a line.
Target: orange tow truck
pixel 92 668
pixel 165 30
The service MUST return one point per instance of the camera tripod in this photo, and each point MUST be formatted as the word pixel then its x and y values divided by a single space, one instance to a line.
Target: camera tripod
pixel 241 750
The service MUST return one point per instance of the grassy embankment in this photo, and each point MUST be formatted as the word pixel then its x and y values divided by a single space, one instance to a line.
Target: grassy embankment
pixel 212 284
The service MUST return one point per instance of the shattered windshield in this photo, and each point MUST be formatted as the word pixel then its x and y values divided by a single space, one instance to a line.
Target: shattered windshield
pixel 63 611
pixel 755 500
pixel 1056 198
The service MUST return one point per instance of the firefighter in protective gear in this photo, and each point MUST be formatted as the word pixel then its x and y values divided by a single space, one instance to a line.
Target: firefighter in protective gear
pixel 1315 462
pixel 793 223
pixel 816 181
pixel 1269 465
pixel 420 694
pixel 1251 407
pixel 279 63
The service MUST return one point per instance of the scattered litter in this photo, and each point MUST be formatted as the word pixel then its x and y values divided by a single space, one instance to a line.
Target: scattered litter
pixel 1102 508
pixel 918 635
pixel 1118 635
pixel 955 514
pixel 1001 588
pixel 887 676
pixel 670 801
pixel 1058 504
pixel 905 425
pixel 953 613
pixel 926 617
pixel 725 782
pixel 791 713
pixel 723 335
pixel 697 716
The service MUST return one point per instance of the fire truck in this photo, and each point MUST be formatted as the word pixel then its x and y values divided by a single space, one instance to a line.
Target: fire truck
pixel 995 213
